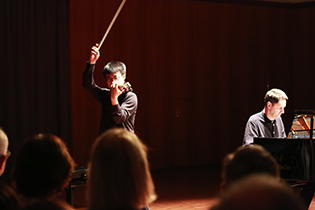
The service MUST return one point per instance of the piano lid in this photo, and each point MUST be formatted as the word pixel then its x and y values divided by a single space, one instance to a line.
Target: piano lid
pixel 303 124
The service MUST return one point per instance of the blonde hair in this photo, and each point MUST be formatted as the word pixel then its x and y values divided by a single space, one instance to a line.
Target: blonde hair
pixel 119 175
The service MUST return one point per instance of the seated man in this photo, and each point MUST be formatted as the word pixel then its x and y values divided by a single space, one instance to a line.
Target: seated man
pixel 268 122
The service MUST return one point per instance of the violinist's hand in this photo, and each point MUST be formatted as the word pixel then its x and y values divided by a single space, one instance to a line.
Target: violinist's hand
pixel 95 54
pixel 114 93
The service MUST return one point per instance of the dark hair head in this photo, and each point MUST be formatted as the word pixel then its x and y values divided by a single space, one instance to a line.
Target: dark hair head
pixel 115 66
pixel 246 160
pixel 259 192
pixel 43 167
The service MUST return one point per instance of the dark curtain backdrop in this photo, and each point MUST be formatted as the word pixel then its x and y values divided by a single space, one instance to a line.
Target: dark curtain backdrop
pixel 199 68
pixel 34 87
pixel 194 65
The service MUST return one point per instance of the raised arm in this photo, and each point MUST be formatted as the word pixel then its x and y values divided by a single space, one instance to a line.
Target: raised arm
pixel 88 74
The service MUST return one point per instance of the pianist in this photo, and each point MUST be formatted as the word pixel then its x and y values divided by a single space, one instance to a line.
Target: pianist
pixel 267 123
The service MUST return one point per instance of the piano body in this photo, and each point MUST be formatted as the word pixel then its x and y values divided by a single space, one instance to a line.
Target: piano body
pixel 295 154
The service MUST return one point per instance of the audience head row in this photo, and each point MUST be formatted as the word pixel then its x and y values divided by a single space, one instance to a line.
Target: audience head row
pixel 119 175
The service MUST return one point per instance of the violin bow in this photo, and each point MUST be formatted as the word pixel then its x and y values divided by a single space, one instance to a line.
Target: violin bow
pixel 111 23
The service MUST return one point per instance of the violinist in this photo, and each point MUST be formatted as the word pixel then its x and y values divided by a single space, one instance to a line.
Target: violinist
pixel 119 103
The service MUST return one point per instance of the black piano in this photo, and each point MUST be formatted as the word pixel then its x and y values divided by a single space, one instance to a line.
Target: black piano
pixel 295 154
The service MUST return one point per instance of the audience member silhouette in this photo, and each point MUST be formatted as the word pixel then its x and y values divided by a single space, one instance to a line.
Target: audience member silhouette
pixel 55 204
pixel 4 152
pixel 246 160
pixel 119 176
pixel 259 192
pixel 43 168
pixel 8 198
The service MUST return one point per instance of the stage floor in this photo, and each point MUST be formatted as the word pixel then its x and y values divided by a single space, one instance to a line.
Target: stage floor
pixel 178 189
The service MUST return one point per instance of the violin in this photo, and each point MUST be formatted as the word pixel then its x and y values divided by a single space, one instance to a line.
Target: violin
pixel 126 87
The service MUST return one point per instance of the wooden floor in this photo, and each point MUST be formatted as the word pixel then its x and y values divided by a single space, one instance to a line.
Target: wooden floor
pixel 178 189
pixel 186 188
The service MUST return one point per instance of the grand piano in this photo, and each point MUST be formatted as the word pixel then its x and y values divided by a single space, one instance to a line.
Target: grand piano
pixel 295 154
